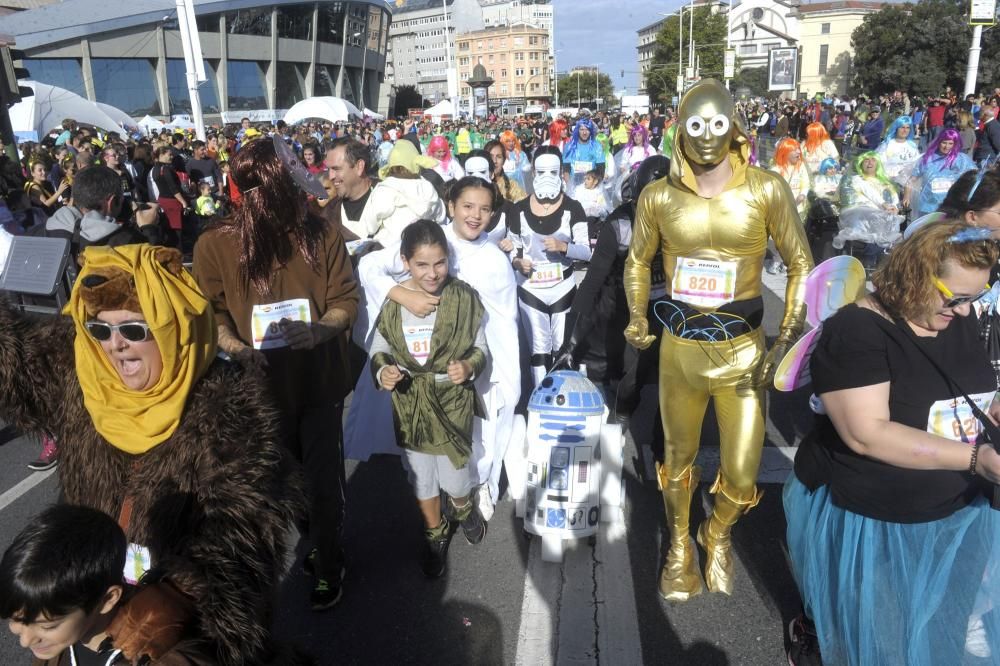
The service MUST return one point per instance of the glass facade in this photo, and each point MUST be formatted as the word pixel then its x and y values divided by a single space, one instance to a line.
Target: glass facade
pixel 331 22
pixel 208 23
pixel 60 72
pixel 295 22
pixel 291 82
pixel 126 83
pixel 325 84
pixel 247 85
pixel 130 83
pixel 177 92
pixel 249 22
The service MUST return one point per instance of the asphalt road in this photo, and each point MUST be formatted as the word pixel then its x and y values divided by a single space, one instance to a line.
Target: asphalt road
pixel 499 603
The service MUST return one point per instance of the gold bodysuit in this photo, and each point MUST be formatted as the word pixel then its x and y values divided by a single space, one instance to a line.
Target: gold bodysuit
pixel 732 227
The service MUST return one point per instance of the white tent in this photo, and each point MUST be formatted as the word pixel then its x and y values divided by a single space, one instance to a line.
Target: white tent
pixel 371 114
pixel 49 106
pixel 116 114
pixel 441 109
pixel 182 122
pixel 149 124
pixel 334 109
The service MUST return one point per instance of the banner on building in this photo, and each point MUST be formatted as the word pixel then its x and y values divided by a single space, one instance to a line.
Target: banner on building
pixel 782 68
pixel 729 70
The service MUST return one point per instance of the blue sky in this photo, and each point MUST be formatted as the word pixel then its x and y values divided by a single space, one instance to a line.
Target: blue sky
pixel 588 32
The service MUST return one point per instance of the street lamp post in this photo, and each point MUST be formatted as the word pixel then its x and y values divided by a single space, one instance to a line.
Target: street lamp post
pixel 364 66
pixel 597 82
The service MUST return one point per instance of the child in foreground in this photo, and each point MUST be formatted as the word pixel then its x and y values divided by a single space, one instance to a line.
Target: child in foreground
pixel 61 587
pixel 429 363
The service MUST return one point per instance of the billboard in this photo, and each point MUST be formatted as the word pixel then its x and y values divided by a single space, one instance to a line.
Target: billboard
pixel 782 68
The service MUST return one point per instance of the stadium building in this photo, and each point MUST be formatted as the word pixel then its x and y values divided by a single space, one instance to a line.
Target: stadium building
pixel 259 60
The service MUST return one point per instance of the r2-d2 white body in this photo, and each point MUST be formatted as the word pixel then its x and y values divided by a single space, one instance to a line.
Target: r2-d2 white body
pixel 565 471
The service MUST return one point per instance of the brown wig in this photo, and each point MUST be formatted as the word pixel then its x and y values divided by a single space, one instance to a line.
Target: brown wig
pixel 271 221
pixel 904 284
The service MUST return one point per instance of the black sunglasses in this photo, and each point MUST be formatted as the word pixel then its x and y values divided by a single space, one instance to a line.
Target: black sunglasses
pixel 133 331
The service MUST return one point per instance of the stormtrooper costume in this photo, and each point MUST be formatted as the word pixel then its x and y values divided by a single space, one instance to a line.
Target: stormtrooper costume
pixel 546 294
pixel 483 266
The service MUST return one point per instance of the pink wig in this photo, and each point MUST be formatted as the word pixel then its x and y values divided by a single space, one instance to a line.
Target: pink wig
pixel 438 141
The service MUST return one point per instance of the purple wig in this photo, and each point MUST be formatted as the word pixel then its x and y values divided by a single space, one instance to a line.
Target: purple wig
pixel 639 129
pixel 932 149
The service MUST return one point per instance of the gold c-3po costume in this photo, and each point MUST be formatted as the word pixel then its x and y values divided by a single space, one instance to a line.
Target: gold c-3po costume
pixel 713 253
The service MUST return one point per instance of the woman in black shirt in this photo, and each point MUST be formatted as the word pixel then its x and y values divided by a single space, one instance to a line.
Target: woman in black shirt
pixel 890 535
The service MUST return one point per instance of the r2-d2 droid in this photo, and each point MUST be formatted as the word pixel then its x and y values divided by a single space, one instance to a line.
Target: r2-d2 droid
pixel 564 465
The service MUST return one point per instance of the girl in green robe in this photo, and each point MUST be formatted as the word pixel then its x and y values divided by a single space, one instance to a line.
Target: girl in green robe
pixel 429 363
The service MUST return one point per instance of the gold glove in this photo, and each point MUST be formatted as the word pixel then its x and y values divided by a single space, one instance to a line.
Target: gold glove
pixel 763 374
pixel 637 333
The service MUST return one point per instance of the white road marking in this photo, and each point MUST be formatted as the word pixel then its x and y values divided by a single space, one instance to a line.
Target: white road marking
pixel 580 611
pixel 542 584
pixel 11 496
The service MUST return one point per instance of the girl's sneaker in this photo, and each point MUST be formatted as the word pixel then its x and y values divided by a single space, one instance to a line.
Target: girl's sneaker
pixel 434 560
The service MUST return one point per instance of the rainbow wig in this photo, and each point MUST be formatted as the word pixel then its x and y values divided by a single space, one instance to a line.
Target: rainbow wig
pixel 574 140
pixel 828 163
pixel 785 147
pixel 879 169
pixel 816 134
pixel 902 121
pixel 932 149
pixel 439 141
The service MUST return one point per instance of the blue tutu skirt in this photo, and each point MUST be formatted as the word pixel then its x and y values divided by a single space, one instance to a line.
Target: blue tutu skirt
pixel 896 594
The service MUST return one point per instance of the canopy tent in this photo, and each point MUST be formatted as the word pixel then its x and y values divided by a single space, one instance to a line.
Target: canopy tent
pixel 334 109
pixel 182 122
pixel 149 124
pixel 441 109
pixel 119 116
pixel 371 114
pixel 49 106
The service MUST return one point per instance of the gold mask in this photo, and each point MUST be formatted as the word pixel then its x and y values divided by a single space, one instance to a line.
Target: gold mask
pixel 705 117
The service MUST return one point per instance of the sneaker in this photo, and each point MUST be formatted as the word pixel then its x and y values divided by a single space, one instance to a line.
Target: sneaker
pixel 804 644
pixel 485 502
pixel 474 527
pixel 48 458
pixel 435 556
pixel 327 592
pixel 976 642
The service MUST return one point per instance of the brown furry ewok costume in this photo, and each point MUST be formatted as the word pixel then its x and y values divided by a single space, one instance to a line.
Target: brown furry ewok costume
pixel 213 502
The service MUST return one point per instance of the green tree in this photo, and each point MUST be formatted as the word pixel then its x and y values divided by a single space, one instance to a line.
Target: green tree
pixel 710 50
pixel 920 48
pixel 585 84
pixel 752 78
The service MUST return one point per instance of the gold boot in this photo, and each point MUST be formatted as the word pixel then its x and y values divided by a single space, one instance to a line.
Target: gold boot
pixel 680 579
pixel 714 536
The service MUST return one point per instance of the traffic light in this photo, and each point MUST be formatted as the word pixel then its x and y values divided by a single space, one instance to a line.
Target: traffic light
pixel 10 92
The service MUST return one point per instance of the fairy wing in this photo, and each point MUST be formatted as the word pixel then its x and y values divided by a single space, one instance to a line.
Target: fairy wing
pixel 829 287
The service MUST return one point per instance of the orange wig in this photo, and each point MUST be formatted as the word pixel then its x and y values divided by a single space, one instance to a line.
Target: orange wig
pixel 816 134
pixel 786 147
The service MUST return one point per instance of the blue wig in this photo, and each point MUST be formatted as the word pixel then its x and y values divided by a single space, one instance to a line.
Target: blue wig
pixel 902 121
pixel 574 140
pixel 828 163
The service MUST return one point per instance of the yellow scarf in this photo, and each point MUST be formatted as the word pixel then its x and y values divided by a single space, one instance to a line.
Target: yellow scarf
pixel 183 325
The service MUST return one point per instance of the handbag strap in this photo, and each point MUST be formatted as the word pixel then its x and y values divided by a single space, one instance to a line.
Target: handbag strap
pixel 991 430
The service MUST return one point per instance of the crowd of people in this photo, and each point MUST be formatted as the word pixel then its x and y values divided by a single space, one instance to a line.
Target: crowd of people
pixel 232 292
